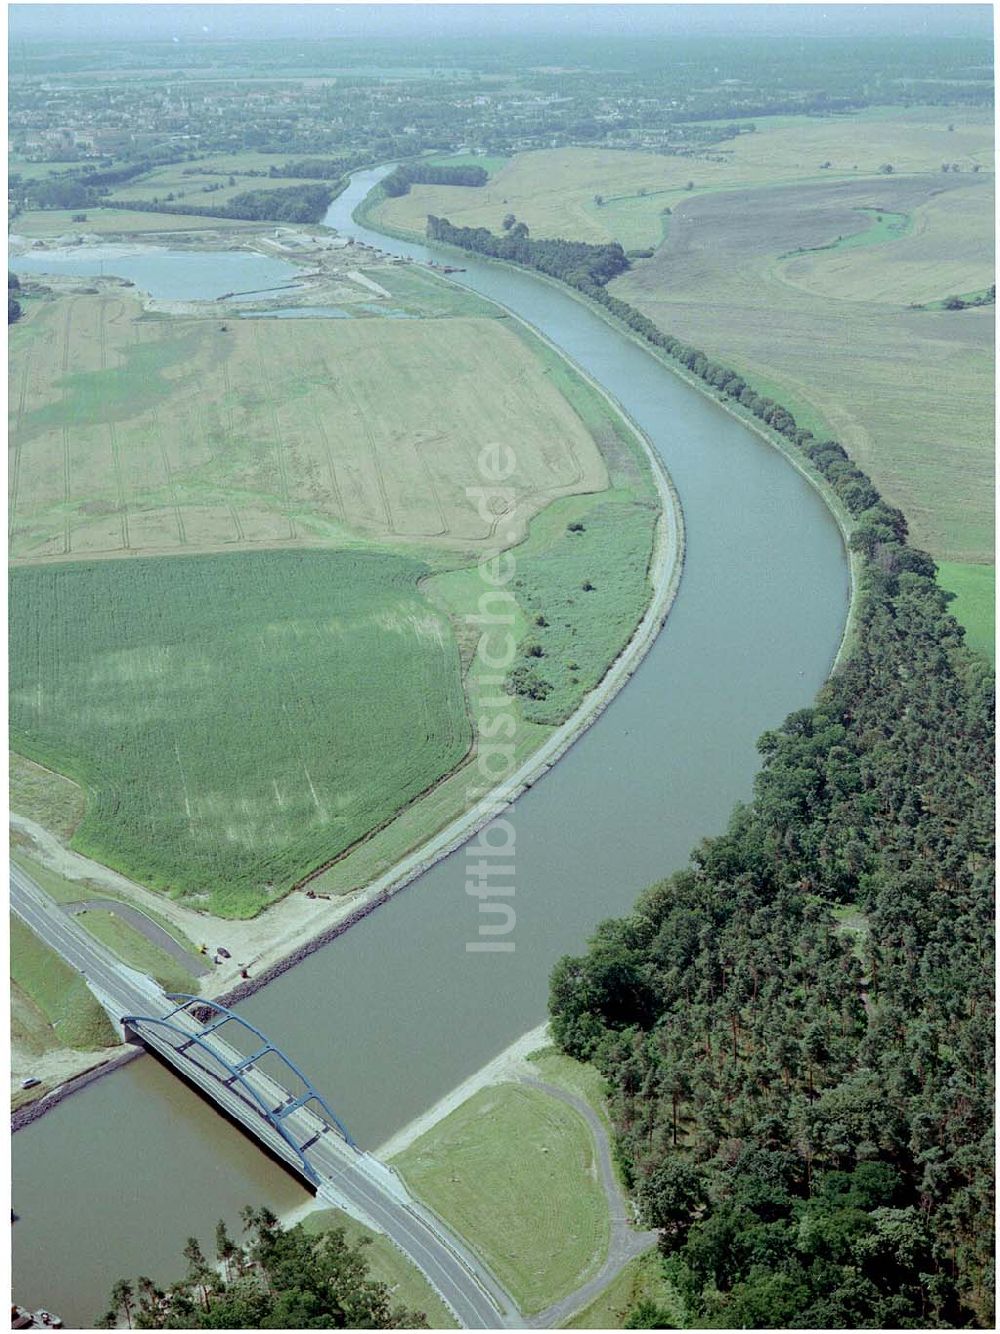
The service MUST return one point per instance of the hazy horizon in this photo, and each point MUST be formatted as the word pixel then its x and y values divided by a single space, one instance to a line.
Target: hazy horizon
pixel 222 22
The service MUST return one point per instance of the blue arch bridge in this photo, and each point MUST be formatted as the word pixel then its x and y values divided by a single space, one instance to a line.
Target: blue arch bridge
pixel 263 1090
pixel 293 1113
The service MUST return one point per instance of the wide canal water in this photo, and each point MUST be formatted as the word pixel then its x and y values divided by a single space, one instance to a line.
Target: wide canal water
pixel 395 1013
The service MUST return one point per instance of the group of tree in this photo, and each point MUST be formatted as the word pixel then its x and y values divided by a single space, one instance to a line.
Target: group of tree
pixel 13 305
pixel 321 168
pixel 293 203
pixel 987 298
pixel 797 1029
pixel 398 182
pixel 584 266
pixel 277 1278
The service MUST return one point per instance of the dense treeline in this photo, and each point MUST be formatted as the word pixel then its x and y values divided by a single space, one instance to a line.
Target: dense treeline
pixel 13 305
pixel 797 1029
pixel 578 263
pixel 277 1279
pixel 321 168
pixel 294 203
pixel 398 182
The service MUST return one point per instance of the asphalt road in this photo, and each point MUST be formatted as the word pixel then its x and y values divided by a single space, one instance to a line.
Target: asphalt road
pixel 350 1179
pixel 153 932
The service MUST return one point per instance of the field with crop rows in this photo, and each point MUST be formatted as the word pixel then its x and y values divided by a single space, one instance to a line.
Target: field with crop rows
pixel 142 435
pixel 237 720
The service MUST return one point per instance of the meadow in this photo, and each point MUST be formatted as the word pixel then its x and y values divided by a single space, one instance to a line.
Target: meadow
pixel 641 1280
pixel 236 720
pixel 974 587
pixel 514 1171
pixel 37 223
pixel 178 435
pixel 947 247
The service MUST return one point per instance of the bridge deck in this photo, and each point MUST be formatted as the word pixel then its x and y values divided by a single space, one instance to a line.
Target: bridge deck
pixel 342 1174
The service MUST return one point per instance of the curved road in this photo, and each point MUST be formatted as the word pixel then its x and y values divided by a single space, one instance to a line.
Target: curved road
pixel 625 1244
pixel 351 1180
pixel 155 934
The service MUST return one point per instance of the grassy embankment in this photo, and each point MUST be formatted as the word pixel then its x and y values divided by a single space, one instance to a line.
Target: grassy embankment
pixel 51 1005
pixel 331 460
pixel 387 1265
pixel 797 284
pixel 513 1171
pixel 48 798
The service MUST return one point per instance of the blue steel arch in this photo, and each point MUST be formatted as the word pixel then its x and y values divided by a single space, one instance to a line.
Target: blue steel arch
pixel 274 1115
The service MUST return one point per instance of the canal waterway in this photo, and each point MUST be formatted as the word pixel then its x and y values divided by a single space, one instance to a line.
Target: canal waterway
pixel 396 1012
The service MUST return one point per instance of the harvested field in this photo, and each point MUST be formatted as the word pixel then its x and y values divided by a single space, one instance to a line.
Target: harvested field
pixel 135 435
pixel 555 190
pixel 237 720
pixel 884 379
pixel 948 249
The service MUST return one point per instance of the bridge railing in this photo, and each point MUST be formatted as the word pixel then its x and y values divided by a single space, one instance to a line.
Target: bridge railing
pixel 241 1070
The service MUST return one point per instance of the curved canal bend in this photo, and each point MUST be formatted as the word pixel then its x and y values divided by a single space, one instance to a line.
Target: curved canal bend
pixel 391 1016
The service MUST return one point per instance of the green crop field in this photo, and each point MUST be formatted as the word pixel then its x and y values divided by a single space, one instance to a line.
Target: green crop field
pixel 237 720
pixel 513 1170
